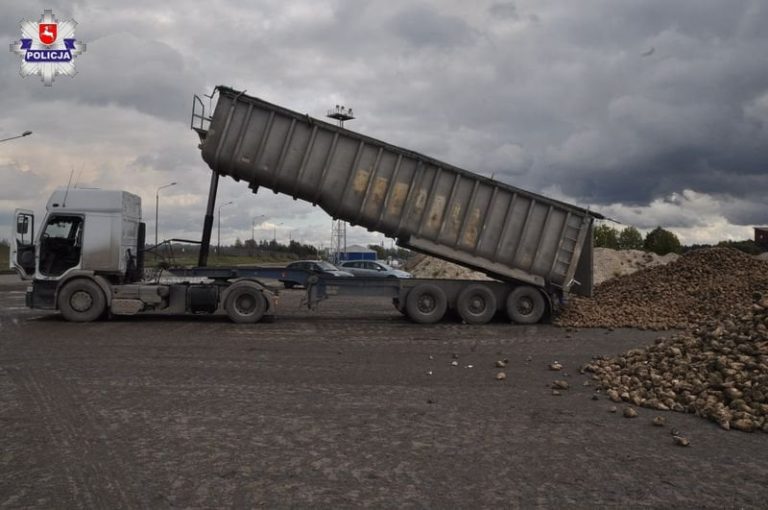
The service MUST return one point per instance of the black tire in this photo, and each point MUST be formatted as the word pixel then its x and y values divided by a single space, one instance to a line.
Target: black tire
pixel 245 304
pixel 476 304
pixel 82 300
pixel 526 305
pixel 426 304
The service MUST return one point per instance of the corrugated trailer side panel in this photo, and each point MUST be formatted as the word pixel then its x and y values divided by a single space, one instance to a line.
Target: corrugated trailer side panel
pixel 427 205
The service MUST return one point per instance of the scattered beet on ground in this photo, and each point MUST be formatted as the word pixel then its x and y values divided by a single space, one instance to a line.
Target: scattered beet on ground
pixel 718 370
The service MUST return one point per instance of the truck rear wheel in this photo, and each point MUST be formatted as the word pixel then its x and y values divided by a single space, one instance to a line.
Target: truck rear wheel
pixel 526 305
pixel 426 304
pixel 245 304
pixel 82 300
pixel 476 304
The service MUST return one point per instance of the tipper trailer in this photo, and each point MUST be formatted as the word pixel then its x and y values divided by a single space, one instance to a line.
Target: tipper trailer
pixel 87 260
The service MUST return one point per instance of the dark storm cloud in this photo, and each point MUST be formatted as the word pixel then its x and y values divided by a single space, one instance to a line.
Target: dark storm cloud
pixel 121 69
pixel 504 10
pixel 425 26
pixel 621 128
pixel 123 64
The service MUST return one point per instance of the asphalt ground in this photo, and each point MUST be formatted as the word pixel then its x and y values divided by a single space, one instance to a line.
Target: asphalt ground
pixel 350 406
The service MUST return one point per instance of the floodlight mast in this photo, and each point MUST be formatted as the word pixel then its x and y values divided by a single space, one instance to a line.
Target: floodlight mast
pixel 339 228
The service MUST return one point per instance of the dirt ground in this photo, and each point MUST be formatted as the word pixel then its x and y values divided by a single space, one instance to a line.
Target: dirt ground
pixel 337 409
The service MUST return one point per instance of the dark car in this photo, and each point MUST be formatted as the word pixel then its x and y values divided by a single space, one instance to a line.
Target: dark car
pixel 315 266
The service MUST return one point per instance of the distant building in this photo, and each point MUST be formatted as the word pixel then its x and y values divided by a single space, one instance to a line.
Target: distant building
pixel 761 236
pixel 357 252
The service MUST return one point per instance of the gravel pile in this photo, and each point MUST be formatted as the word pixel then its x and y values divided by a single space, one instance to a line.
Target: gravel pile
pixel 423 266
pixel 719 370
pixel 699 286
pixel 609 263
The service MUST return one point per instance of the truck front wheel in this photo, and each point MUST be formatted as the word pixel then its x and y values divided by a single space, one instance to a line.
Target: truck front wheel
pixel 82 300
pixel 426 303
pixel 245 304
pixel 526 305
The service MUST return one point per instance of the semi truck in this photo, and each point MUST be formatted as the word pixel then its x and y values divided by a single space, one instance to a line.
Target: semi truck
pixel 87 259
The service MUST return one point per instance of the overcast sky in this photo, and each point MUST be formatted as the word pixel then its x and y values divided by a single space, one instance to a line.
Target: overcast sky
pixel 653 112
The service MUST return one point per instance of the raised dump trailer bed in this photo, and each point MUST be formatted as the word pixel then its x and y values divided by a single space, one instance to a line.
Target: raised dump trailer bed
pixel 521 238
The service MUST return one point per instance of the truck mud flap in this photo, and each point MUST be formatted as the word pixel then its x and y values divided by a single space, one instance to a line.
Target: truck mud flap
pixel 43 295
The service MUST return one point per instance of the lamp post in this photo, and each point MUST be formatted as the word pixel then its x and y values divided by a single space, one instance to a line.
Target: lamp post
pixel 274 232
pixel 157 205
pixel 218 237
pixel 252 248
pixel 253 228
pixel 25 133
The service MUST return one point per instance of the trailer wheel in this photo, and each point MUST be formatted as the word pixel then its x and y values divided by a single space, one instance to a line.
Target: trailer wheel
pixel 82 300
pixel 476 304
pixel 426 304
pixel 526 305
pixel 245 304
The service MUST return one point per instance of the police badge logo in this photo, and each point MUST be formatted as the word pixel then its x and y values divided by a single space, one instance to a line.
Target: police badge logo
pixel 48 47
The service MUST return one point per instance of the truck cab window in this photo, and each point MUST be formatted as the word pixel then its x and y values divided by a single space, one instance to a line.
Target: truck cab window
pixel 61 244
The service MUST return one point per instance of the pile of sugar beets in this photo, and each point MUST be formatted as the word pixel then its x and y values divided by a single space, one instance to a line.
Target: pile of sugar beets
pixel 717 368
pixel 698 286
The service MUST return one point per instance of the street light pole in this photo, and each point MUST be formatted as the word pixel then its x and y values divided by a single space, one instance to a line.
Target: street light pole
pixel 157 205
pixel 274 232
pixel 253 228
pixel 25 133
pixel 218 237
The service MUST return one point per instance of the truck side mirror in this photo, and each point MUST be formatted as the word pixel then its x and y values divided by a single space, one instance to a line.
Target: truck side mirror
pixel 22 225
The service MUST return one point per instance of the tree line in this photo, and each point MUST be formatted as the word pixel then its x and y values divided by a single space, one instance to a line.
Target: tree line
pixel 658 240
pixel 301 250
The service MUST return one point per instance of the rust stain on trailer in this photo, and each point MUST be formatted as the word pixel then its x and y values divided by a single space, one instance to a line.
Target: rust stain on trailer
pixel 473 228
pixel 420 202
pixel 379 190
pixel 436 213
pixel 454 219
pixel 361 180
pixel 399 194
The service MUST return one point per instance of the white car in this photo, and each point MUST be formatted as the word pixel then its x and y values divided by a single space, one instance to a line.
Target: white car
pixel 373 269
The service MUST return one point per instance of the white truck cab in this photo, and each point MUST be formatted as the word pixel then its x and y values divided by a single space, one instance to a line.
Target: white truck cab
pixel 83 230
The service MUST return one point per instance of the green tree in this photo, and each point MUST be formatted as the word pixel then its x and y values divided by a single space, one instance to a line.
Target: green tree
pixel 662 241
pixel 379 251
pixel 606 237
pixel 630 239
